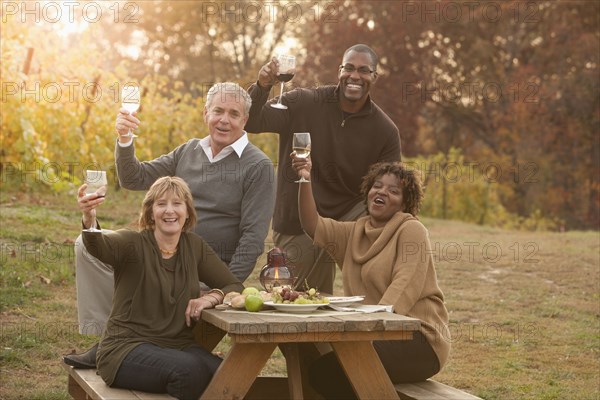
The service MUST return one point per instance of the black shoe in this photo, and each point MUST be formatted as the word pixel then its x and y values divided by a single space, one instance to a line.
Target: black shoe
pixel 85 360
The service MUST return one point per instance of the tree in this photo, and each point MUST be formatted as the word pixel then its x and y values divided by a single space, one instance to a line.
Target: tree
pixel 533 106
pixel 202 42
pixel 377 24
pixel 513 84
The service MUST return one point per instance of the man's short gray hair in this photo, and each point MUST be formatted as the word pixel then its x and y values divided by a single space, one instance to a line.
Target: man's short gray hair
pixel 229 89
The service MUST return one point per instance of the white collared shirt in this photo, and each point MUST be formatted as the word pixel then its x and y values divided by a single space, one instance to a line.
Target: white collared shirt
pixel 238 146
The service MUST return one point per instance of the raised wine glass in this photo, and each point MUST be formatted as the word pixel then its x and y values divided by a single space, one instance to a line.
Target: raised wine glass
pixel 130 100
pixel 287 69
pixel 96 184
pixel 301 145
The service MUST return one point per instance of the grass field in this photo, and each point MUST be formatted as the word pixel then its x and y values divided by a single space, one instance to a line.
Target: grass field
pixel 524 306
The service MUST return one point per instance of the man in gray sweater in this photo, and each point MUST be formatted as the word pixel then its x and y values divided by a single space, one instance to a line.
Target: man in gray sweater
pixel 233 185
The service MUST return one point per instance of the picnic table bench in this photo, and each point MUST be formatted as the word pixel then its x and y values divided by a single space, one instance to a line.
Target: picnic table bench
pixel 431 390
pixel 84 384
pixel 254 336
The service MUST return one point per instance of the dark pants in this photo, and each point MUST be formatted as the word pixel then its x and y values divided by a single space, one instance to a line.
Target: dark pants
pixel 403 360
pixel 183 374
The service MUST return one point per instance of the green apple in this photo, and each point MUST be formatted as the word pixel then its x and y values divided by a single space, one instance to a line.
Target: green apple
pixel 253 303
pixel 250 290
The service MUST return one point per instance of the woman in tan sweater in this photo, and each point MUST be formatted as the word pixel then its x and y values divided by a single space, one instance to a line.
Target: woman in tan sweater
pixel 385 256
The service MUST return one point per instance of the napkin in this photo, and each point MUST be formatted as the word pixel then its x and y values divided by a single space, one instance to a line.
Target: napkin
pixel 364 308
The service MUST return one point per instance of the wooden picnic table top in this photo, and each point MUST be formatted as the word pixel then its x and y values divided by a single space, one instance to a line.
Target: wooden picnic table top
pixel 254 336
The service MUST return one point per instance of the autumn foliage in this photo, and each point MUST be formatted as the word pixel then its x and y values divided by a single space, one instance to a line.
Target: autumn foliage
pixel 497 102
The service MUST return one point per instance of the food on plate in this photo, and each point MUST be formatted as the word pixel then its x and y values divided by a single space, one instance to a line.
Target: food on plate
pixel 286 295
pixel 266 296
pixel 229 296
pixel 238 301
pixel 253 302
pixel 250 290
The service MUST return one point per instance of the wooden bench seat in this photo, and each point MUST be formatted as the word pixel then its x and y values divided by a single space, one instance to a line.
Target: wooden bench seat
pixel 84 384
pixel 431 390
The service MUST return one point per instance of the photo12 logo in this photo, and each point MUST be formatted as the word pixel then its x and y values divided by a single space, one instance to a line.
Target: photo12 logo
pixel 470 11
pixel 474 171
pixel 471 252
pixel 47 253
pixel 49 172
pixel 269 11
pixel 69 11
pixel 470 93
pixel 65 91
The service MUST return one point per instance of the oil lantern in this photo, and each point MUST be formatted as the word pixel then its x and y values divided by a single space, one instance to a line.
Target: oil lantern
pixel 277 271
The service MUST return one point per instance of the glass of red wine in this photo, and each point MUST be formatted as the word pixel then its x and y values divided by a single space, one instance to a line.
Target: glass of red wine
pixel 287 69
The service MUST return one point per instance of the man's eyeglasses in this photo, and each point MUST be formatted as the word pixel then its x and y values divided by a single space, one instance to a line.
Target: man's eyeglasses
pixel 349 68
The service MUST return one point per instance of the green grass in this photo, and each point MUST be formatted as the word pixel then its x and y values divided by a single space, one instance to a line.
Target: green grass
pixel 525 322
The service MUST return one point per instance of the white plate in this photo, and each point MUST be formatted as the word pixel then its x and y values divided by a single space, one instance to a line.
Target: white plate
pixel 344 301
pixel 294 308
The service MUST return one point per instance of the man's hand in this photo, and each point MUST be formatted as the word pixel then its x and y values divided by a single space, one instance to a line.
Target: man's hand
pixel 125 122
pixel 267 76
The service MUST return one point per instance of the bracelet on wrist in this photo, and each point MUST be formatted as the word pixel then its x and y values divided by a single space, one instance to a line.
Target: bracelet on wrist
pixel 214 297
pixel 209 302
pixel 215 291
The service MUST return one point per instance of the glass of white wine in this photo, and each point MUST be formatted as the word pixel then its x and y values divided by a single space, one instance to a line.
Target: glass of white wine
pixel 96 184
pixel 301 145
pixel 130 100
pixel 287 70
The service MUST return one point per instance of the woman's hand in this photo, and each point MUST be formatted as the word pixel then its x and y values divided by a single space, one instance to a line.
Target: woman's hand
pixel 307 208
pixel 125 122
pixel 87 204
pixel 267 76
pixel 195 307
pixel 302 166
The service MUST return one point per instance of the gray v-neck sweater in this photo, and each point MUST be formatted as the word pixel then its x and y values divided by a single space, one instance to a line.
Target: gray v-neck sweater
pixel 233 197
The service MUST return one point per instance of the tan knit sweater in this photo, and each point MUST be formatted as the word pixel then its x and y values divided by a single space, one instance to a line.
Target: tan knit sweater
pixel 392 265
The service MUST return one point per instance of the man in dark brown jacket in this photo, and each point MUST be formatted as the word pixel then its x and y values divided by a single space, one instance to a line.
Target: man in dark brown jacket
pixel 349 132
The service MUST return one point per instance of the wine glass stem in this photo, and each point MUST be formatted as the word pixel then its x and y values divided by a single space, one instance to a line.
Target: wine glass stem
pixel 281 92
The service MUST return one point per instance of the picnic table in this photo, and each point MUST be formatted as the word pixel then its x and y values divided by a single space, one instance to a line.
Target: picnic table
pixel 254 337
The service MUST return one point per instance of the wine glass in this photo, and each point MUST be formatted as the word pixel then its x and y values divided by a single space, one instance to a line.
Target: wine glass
pixel 287 69
pixel 96 184
pixel 301 145
pixel 130 100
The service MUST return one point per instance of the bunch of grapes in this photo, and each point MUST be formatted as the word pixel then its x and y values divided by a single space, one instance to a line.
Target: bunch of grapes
pixel 287 295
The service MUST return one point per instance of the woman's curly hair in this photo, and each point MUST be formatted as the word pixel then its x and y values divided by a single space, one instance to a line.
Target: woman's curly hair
pixel 412 188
